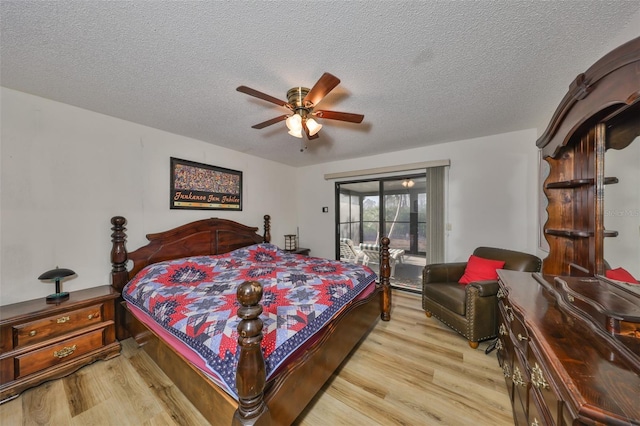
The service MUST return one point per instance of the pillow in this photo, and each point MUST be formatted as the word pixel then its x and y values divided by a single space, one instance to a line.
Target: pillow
pixel 480 269
pixel 621 274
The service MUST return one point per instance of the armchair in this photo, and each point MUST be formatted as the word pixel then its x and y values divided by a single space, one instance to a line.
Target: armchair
pixel 472 309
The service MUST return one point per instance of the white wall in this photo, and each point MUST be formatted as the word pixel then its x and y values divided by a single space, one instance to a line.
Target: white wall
pixel 66 171
pixel 626 33
pixel 622 208
pixel 492 198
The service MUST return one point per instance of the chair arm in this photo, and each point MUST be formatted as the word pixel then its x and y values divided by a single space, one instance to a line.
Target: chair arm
pixel 485 288
pixel 443 272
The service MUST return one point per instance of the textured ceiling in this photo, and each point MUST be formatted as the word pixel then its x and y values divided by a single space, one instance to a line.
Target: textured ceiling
pixel 421 72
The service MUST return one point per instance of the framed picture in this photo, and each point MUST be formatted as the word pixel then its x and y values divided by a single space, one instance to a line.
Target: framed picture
pixel 200 186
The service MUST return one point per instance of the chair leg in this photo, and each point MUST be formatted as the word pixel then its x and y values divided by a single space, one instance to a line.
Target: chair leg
pixel 474 345
pixel 428 314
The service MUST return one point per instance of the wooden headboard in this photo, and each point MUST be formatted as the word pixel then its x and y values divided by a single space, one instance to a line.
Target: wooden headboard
pixel 200 238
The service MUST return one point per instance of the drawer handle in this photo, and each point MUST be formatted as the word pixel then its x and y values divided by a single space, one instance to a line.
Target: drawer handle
pixel 505 370
pixel 509 312
pixel 62 320
pixel 537 377
pixel 502 330
pixel 64 352
pixel 521 337
pixel 92 316
pixel 33 333
pixel 501 294
pixel 517 377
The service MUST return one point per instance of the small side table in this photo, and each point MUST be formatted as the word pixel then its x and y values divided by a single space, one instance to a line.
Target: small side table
pixel 300 250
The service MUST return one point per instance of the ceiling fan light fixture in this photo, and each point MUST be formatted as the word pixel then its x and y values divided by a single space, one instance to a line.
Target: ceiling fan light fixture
pixel 296 133
pixel 408 183
pixel 294 123
pixel 301 102
pixel 313 126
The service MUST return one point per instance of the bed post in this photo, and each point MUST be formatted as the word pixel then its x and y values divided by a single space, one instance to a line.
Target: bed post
pixel 385 273
pixel 267 228
pixel 119 273
pixel 251 373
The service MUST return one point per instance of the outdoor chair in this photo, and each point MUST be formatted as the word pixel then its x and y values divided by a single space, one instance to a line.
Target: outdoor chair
pixel 372 254
pixel 349 253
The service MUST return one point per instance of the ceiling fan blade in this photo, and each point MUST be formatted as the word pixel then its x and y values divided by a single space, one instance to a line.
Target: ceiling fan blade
pixel 252 92
pixel 306 130
pixel 270 122
pixel 324 85
pixel 342 116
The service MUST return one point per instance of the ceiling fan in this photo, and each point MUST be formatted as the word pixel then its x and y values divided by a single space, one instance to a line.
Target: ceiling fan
pixel 302 101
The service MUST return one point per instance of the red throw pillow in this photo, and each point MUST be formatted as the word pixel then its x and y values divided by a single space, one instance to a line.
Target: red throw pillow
pixel 621 274
pixel 480 269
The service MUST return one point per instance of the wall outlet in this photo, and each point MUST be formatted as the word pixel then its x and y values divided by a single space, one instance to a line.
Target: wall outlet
pixel 325 210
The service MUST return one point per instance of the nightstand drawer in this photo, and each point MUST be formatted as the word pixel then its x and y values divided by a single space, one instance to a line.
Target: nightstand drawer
pixel 57 325
pixel 61 352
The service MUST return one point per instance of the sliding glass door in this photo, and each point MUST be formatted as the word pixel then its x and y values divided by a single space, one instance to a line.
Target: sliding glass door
pixel 397 206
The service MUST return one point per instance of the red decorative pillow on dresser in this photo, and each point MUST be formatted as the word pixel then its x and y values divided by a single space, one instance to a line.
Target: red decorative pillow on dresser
pixel 481 269
pixel 621 274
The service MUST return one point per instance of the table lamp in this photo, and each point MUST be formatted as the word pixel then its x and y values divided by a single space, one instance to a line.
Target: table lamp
pixel 290 243
pixel 57 275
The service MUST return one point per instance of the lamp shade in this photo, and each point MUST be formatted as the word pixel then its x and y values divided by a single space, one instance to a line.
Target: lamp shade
pixel 313 126
pixel 294 123
pixel 57 275
pixel 296 133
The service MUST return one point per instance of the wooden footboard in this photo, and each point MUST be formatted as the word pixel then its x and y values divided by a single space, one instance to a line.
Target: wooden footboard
pixel 284 397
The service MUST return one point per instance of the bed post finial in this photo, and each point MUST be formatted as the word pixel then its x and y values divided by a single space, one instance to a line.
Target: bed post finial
pixel 251 373
pixel 385 273
pixel 267 228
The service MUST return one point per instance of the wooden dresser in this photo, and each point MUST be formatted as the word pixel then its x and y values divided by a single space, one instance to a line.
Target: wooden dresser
pixel 40 341
pixel 569 348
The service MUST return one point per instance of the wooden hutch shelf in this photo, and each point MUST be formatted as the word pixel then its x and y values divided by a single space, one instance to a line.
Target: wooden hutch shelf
pixel 572 233
pixel 576 183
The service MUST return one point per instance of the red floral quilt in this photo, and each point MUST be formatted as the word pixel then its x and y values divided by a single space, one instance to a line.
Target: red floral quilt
pixel 194 299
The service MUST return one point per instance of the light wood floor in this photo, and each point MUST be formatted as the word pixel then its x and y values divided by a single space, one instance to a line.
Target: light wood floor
pixel 409 371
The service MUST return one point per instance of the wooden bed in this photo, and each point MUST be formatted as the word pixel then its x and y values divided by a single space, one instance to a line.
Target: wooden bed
pixel 277 401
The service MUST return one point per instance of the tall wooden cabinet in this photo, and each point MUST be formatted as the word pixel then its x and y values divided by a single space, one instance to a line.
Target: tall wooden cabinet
pixel 601 111
pixel 569 338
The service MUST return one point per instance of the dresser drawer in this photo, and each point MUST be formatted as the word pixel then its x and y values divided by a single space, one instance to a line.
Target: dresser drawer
pixel 515 324
pixel 538 414
pixel 56 325
pixel 58 353
pixel 542 385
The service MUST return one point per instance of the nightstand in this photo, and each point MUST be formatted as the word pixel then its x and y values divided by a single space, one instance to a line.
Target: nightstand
pixel 300 250
pixel 40 341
